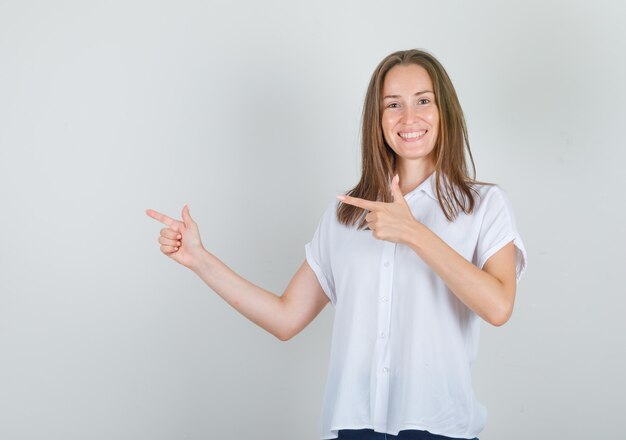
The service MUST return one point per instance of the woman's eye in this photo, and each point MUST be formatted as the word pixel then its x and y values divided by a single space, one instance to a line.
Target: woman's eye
pixel 424 101
pixel 393 105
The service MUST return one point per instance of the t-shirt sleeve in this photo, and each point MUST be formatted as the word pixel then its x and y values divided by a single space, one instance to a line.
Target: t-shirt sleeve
pixel 319 250
pixel 498 229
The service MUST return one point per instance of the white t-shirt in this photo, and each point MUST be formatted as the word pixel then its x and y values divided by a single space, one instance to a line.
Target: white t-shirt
pixel 402 342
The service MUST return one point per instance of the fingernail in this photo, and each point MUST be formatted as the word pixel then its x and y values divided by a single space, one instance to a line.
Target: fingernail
pixel 179 236
pixel 342 198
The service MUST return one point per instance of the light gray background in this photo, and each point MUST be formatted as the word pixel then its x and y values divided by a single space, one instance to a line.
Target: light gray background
pixel 250 112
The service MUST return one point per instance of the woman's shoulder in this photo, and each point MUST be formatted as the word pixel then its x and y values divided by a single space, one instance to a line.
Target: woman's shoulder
pixel 491 196
pixel 488 194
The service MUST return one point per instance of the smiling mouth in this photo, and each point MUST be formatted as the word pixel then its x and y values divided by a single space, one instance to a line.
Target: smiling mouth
pixel 413 135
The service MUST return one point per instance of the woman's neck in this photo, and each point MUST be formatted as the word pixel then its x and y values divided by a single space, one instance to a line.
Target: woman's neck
pixel 413 173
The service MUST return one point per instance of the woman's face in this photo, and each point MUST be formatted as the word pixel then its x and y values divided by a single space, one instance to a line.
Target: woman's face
pixel 410 118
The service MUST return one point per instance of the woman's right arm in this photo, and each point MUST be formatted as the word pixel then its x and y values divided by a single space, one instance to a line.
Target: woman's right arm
pixel 283 316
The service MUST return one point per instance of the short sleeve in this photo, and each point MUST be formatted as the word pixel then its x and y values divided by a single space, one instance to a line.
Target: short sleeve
pixel 319 250
pixel 499 228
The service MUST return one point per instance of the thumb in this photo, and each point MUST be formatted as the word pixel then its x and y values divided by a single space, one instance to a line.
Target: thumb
pixel 395 189
pixel 187 217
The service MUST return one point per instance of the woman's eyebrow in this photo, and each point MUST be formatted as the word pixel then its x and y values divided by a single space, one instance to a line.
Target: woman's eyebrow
pixel 416 94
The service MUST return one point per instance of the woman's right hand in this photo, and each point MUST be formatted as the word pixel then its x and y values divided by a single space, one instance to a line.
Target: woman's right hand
pixel 181 239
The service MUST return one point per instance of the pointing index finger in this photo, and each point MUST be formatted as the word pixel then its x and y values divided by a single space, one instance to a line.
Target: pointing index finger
pixel 361 203
pixel 163 218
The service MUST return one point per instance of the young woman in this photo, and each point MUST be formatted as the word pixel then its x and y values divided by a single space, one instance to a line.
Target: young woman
pixel 411 258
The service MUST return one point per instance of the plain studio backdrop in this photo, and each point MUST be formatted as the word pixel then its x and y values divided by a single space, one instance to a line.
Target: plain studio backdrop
pixel 250 113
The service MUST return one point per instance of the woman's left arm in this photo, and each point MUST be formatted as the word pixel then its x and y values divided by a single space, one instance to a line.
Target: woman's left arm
pixel 489 292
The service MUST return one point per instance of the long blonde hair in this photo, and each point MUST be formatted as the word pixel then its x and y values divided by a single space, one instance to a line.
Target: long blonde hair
pixel 379 160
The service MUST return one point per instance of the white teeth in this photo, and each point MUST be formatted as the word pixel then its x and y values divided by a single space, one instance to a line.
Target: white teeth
pixel 412 135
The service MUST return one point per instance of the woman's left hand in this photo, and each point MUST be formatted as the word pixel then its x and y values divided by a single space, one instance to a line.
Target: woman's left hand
pixel 388 221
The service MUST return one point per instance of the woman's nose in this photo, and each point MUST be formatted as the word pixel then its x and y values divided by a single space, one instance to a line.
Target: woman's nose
pixel 411 115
